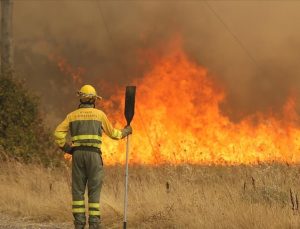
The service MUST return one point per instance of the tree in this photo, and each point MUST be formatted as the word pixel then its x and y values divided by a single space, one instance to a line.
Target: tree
pixel 6 37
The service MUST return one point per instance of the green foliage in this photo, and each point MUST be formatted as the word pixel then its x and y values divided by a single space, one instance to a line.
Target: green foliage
pixel 22 133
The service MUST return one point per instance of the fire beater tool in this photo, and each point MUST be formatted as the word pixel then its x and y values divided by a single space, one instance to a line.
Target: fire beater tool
pixel 129 113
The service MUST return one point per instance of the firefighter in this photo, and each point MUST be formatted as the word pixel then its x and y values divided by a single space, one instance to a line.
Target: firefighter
pixel 86 125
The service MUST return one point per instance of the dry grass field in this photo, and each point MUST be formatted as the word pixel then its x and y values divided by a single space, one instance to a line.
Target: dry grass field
pixel 185 196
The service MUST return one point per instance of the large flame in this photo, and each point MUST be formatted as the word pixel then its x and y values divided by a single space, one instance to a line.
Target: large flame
pixel 178 120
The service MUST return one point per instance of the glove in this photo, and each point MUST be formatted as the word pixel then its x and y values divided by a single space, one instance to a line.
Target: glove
pixel 66 148
pixel 126 131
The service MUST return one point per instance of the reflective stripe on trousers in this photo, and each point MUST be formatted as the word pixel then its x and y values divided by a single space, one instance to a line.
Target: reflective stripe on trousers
pixel 94 209
pixel 78 206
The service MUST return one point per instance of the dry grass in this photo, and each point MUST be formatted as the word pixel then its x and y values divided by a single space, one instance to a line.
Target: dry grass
pixel 163 197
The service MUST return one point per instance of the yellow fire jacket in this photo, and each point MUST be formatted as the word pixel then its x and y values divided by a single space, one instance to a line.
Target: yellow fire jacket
pixel 85 125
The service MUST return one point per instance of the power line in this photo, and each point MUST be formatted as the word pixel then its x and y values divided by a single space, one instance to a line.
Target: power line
pixel 240 43
pixel 108 32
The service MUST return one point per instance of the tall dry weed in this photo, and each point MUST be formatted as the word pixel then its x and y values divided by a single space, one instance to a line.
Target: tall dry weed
pixel 162 197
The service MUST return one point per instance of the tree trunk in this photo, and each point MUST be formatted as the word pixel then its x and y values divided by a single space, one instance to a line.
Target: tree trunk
pixel 6 37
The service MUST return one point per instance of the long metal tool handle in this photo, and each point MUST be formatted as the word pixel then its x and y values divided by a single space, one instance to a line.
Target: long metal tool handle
pixel 129 113
pixel 126 184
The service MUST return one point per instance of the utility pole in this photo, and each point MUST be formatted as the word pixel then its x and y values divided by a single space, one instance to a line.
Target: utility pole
pixel 6 37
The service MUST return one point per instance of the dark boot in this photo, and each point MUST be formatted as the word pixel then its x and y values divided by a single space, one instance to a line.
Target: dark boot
pixel 79 226
pixel 94 226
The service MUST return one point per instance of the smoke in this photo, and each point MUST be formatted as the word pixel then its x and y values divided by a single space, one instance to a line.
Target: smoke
pixel 113 49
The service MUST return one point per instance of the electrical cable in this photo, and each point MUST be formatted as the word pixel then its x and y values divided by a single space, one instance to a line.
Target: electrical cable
pixel 235 37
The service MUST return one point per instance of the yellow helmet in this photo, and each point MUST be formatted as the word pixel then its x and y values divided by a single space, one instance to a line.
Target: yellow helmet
pixel 88 92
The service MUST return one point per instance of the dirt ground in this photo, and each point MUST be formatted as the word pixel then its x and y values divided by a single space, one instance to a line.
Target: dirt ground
pixel 10 222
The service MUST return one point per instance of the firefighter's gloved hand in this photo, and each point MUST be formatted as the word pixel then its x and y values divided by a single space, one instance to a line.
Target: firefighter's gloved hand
pixel 126 131
pixel 66 148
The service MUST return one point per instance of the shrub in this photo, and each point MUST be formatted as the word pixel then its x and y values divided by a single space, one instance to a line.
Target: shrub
pixel 22 132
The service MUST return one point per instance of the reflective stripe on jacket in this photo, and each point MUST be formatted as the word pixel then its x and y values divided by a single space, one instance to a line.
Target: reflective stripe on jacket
pixel 85 125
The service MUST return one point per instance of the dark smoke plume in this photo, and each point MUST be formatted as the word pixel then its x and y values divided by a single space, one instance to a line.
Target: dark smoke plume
pixel 108 50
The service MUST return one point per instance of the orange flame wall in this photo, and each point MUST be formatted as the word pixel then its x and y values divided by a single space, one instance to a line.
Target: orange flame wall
pixel 178 120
